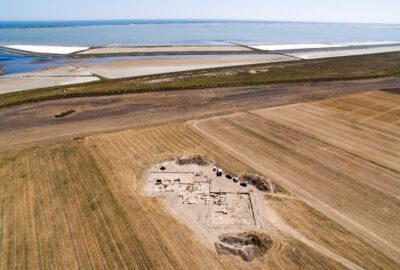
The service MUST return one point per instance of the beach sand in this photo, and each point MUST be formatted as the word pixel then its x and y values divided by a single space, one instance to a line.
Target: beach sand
pixel 310 54
pixel 131 68
pixel 287 47
pixel 15 84
pixel 48 77
pixel 81 71
pixel 166 49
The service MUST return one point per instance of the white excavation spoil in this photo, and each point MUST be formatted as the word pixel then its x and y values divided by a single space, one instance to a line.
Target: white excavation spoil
pixel 215 207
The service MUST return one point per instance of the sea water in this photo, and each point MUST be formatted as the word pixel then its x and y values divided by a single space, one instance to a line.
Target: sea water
pixel 12 63
pixel 174 32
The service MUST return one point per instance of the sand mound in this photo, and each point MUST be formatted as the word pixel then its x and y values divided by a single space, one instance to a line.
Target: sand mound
pixel 247 245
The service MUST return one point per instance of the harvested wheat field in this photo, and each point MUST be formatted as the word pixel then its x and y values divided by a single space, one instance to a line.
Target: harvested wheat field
pixel 76 205
pixel 341 156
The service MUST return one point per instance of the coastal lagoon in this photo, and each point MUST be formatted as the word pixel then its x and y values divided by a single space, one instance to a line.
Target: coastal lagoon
pixel 189 32
pixel 14 63
pixel 43 54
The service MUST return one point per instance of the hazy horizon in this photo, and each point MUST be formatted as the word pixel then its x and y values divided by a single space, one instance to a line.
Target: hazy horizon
pixel 198 20
pixel 329 11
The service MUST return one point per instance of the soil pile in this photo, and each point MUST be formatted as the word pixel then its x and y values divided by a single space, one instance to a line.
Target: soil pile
pixel 262 183
pixel 247 245
pixel 192 159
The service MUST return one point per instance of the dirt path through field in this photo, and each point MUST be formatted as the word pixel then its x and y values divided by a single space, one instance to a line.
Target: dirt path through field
pixel 275 220
pixel 35 123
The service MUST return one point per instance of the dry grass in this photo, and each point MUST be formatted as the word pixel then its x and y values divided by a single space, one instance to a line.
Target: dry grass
pixel 306 220
pixel 125 155
pixel 76 205
pixel 379 109
pixel 59 211
pixel 291 254
pixel 346 168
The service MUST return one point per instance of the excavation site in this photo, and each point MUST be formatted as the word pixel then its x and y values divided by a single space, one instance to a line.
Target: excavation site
pixel 224 210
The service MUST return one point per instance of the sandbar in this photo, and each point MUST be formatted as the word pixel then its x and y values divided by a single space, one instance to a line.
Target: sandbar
pixel 15 84
pixel 287 47
pixel 166 49
pixel 343 52
pixel 131 68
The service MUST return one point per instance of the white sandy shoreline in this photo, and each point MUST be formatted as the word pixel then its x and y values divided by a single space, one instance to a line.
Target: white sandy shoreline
pixel 315 54
pixel 84 50
pixel 287 47
pixel 166 49
pixel 46 49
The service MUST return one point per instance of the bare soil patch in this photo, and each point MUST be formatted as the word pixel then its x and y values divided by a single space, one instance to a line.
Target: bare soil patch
pixel 200 195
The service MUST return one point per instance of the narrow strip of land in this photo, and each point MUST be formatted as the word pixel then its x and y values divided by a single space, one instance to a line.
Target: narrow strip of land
pixel 36 123
pixel 282 71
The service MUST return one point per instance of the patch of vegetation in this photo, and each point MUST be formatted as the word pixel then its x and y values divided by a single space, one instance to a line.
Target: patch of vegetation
pixel 192 159
pixel 262 183
pixel 341 68
pixel 64 113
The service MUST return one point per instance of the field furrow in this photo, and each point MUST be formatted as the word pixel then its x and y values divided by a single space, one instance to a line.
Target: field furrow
pixel 346 169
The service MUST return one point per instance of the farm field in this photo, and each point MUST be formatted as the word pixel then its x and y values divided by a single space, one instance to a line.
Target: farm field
pixel 59 211
pixel 76 205
pixel 340 156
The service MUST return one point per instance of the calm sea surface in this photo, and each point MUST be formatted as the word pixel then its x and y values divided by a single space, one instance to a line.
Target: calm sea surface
pixel 172 32
pixel 169 32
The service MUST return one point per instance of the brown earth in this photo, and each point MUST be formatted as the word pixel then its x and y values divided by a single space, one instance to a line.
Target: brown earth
pixel 35 123
pixel 141 67
pixel 340 156
pixel 75 205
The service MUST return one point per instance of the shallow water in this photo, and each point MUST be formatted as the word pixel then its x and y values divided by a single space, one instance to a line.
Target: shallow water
pixel 97 60
pixel 14 64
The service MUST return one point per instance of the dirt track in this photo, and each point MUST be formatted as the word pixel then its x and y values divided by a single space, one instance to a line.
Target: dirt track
pixel 35 123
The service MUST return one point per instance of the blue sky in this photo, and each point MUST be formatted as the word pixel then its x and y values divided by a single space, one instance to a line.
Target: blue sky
pixel 374 11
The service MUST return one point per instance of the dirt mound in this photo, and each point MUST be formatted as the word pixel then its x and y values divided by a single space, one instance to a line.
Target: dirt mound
pixel 192 159
pixel 64 113
pixel 262 183
pixel 247 245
